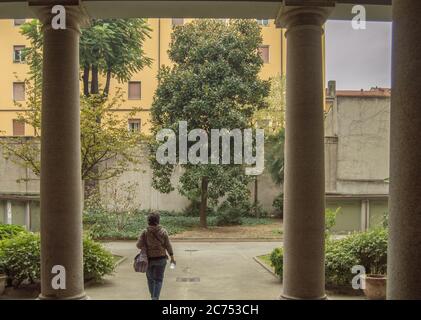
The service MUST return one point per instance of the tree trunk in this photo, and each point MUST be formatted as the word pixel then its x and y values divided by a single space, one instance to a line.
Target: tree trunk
pixel 107 84
pixel 86 70
pixel 93 184
pixel 95 80
pixel 204 202
pixel 256 198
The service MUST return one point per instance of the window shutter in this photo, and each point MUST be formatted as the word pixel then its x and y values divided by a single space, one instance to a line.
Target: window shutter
pixel 264 53
pixel 134 90
pixel 18 127
pixel 18 91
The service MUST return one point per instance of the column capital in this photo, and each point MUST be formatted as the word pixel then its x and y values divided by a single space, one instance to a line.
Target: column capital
pixel 304 13
pixel 76 15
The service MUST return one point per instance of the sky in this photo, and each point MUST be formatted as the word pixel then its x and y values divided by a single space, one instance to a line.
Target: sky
pixel 358 59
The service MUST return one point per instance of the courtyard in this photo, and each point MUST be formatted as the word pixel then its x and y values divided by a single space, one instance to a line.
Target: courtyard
pixel 211 86
pixel 206 270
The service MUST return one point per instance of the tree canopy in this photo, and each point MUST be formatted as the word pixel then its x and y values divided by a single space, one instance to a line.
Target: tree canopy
pixel 213 84
pixel 113 48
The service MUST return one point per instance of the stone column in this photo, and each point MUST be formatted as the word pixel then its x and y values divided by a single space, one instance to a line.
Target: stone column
pixel 28 215
pixel 61 206
pixel 304 204
pixel 404 255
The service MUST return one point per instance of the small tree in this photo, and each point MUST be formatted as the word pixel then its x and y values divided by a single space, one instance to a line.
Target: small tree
pixel 112 48
pixel 272 120
pixel 213 84
pixel 101 141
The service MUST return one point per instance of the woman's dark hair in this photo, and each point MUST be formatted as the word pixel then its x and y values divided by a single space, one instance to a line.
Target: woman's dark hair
pixel 153 219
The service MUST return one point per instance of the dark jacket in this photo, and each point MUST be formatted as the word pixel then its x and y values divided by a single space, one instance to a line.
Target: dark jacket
pixel 157 242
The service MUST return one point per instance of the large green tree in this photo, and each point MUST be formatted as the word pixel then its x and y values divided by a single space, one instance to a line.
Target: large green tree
pixel 213 84
pixel 113 48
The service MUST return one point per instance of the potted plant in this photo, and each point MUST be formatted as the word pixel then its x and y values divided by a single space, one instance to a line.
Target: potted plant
pixel 375 285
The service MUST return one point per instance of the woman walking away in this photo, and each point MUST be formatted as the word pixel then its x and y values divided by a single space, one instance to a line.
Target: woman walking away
pixel 157 243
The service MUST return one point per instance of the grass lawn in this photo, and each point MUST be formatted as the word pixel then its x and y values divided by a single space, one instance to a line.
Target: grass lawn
pixel 128 227
pixel 265 259
pixel 253 230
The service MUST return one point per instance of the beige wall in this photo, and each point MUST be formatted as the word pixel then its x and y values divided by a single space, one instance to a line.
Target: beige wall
pixel 359 163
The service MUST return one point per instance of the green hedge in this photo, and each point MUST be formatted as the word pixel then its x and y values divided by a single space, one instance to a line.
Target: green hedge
pixel 8 231
pixel 368 249
pixel 128 226
pixel 21 260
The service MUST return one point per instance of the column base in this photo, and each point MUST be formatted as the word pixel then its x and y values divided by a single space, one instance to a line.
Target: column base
pixel 286 297
pixel 82 296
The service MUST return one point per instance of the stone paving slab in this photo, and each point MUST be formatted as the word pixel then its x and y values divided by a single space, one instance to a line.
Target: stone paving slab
pixel 205 271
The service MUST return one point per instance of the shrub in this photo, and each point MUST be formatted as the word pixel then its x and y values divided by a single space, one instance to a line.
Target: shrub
pixel 193 210
pixel 277 260
pixel 339 259
pixel 21 259
pixel 228 216
pixel 97 261
pixel 8 231
pixel 330 220
pixel 278 204
pixel 103 225
pixel 368 249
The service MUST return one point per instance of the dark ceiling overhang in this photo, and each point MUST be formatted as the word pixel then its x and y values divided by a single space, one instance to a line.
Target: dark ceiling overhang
pixel 377 10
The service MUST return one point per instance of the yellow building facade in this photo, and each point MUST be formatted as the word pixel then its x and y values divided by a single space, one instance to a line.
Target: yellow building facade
pixel 138 92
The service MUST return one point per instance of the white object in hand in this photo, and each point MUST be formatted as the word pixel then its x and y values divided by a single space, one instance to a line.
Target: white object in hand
pixel 172 265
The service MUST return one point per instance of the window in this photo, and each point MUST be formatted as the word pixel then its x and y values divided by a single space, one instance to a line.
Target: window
pixel 19 22
pixel 177 22
pixel 17 53
pixel 18 127
pixel 134 90
pixel 134 125
pixel 264 53
pixel 263 22
pixel 18 91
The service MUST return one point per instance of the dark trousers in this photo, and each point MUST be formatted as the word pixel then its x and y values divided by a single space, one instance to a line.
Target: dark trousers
pixel 155 276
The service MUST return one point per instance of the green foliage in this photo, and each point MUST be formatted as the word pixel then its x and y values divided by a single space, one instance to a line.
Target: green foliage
pixel 103 225
pixel 330 220
pixel 8 231
pixel 101 141
pixel 339 259
pixel 215 77
pixel 228 217
pixel 97 261
pixel 272 119
pixel 111 47
pixel 256 210
pixel 114 47
pixel 21 259
pixel 368 249
pixel 278 204
pixel 274 147
pixel 277 261
pixel 193 210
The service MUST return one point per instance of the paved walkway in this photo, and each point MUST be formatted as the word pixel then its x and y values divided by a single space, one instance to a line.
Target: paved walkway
pixel 205 271
pixel 219 271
